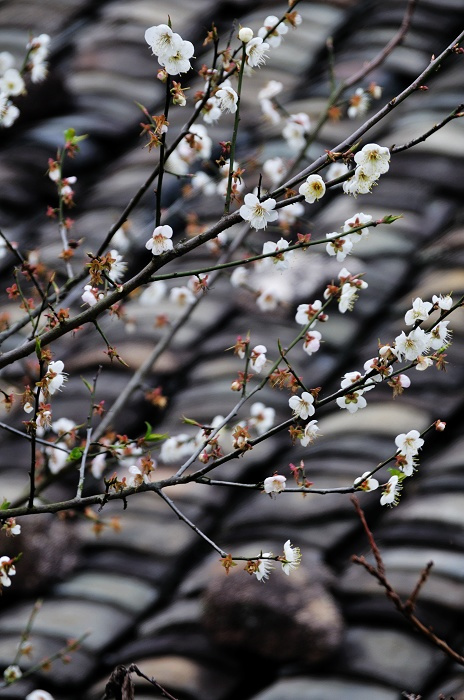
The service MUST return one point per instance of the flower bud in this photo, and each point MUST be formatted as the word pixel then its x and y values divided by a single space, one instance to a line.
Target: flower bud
pixel 245 34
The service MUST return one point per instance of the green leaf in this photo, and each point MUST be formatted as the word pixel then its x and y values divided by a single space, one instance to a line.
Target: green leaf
pixel 87 384
pixel 153 437
pixel 5 504
pixel 75 454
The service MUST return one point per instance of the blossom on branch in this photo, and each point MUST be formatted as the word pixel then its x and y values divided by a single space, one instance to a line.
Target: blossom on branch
pixel 313 188
pixel 291 558
pixel 274 484
pixel 366 482
pixel 256 52
pixel 160 242
pixel 259 214
pixel 391 492
pixel 302 406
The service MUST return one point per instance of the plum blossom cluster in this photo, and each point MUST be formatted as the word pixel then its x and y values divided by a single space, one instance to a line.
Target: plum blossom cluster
pixel 415 345
pixel 347 292
pixel 262 567
pixel 408 446
pixel 173 52
pixel 341 245
pixel 372 161
pixel 12 80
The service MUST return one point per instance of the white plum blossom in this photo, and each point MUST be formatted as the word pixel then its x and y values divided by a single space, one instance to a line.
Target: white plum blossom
pixel 11 83
pixel 412 345
pixel 161 39
pixel 359 183
pixel 11 527
pixel 160 242
pixel 439 335
pixel 443 302
pixel 258 358
pixel 98 465
pixel 381 371
pixel 175 448
pixel 268 299
pixel 63 425
pixel 264 567
pixel 341 247
pixel 291 558
pixel 275 37
pixel 227 99
pixel 270 90
pixel 307 312
pixel 282 260
pixel 390 494
pixel 409 443
pixel 153 293
pixel 6 61
pixel 311 432
pixel 423 363
pixel 357 220
pixel 256 52
pixel 239 277
pixel 302 406
pixel 274 484
pixel 296 129
pixel 178 62
pixel 359 104
pixel 57 460
pixel 313 188
pixel 181 296
pixel 211 110
pixel 270 111
pixel 91 295
pixel 197 145
pixel 55 376
pixel 245 34
pixel 352 401
pixel 312 342
pixel 259 214
pixel 419 312
pixel 261 417
pixel 289 214
pixel 6 570
pixel 348 296
pixel 373 159
pixel 39 695
pixel 366 482
pixel 28 407
pixel 13 672
pixel 8 113
pixel 118 267
pixel 336 170
pixel 274 169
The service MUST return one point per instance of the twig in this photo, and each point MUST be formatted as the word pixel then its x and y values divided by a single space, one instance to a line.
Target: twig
pixel 406 609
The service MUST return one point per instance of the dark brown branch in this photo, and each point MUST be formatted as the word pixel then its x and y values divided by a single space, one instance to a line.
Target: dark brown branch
pixel 406 609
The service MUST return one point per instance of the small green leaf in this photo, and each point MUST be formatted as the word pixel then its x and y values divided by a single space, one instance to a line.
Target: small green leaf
pixel 87 384
pixel 75 454
pixel 5 504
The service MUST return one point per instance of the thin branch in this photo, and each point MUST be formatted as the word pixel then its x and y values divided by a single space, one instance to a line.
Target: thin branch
pixel 406 609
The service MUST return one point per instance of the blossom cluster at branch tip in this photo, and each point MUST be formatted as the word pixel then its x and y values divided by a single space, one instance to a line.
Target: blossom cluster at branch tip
pixel 172 51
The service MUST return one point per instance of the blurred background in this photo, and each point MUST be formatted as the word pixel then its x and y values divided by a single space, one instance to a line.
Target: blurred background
pixel 151 592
